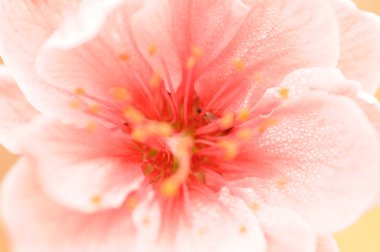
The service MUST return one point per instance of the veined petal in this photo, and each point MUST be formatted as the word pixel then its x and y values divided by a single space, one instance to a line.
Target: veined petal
pixel 359 44
pixel 15 111
pixel 24 28
pixel 38 224
pixel 327 244
pixel 86 169
pixel 284 230
pixel 276 38
pixel 100 57
pixel 313 161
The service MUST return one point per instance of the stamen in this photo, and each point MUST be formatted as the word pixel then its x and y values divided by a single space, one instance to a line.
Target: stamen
pixel 133 115
pixel 270 122
pixel 377 94
pixel 243 115
pixel 227 121
pixel 284 93
pixel 152 49
pixel 93 108
pixel 231 148
pixel 79 91
pixel 91 126
pixel 169 188
pixel 244 134
pixel 124 57
pixel 196 52
pixel 121 94
pixel 96 200
pixel 155 80
pixel 238 63
pixel 181 149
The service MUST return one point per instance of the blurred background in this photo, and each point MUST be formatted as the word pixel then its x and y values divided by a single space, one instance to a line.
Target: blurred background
pixel 363 236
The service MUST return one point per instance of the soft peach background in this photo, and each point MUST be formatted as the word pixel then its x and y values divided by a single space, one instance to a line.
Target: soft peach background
pixel 364 236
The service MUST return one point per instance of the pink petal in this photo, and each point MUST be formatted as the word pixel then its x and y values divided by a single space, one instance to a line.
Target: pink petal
pixel 223 225
pixel 360 44
pixel 24 28
pixel 283 229
pixel 327 244
pixel 85 169
pixel 270 44
pixel 100 57
pixel 320 160
pixel 37 224
pixel 15 111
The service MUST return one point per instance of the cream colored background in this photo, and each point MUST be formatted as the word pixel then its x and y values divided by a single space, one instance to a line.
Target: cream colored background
pixel 364 236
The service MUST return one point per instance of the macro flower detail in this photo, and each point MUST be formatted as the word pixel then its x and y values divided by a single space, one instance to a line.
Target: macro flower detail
pixel 169 125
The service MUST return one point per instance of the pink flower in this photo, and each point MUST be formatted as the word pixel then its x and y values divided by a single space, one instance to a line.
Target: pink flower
pixel 169 125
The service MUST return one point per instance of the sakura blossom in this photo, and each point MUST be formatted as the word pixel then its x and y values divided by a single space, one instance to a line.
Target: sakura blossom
pixel 191 125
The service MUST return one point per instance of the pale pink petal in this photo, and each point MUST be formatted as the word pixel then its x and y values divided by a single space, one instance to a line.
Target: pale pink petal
pixel 327 244
pixel 276 38
pixel 315 159
pixel 15 111
pixel 25 26
pixel 224 225
pixel 100 57
pixel 37 224
pixel 283 229
pixel 359 43
pixel 85 169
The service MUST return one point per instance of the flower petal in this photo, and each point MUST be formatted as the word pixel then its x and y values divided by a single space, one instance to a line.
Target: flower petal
pixel 15 111
pixel 38 224
pixel 320 160
pixel 228 217
pixel 360 40
pixel 276 38
pixel 327 244
pixel 85 169
pixel 24 28
pixel 283 229
pixel 100 57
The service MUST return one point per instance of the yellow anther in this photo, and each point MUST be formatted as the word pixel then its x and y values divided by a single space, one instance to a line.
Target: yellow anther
pixel 91 126
pixel 227 120
pixel 282 182
pixel 96 200
pixel 191 62
pixel 93 108
pixel 79 91
pixel 124 57
pixel 146 220
pixel 244 134
pixel 1 61
pixel 139 134
pixel 243 115
pixel 284 93
pixel 270 122
pixel 196 52
pixel 152 49
pixel 131 202
pixel 169 188
pixel 254 206
pixel 121 94
pixel 377 95
pixel 155 80
pixel 164 129
pixel 231 148
pixel 75 104
pixel 238 63
pixel 243 229
pixel 133 115
pixel 202 231
pixel 257 76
